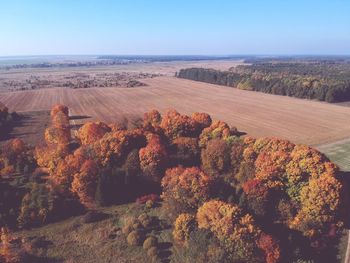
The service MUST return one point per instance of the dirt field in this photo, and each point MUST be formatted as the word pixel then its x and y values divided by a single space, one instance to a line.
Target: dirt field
pixel 258 114
pixel 30 128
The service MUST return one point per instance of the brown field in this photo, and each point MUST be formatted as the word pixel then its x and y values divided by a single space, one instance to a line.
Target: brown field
pixel 258 114
pixel 30 128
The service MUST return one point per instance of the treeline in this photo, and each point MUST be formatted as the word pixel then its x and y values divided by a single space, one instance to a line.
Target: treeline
pixel 324 81
pixel 253 200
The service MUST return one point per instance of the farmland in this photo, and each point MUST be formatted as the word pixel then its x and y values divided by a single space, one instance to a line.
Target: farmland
pixel 257 114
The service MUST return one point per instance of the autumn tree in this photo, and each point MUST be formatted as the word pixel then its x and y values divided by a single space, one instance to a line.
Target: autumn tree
pixel 153 158
pixel 271 248
pixel 91 132
pixel 176 125
pixel 59 108
pixel 185 151
pixel 85 182
pixel 183 226
pixel 236 231
pixel 15 156
pixel 49 156
pixel 66 168
pixel 202 121
pixel 184 189
pixel 217 130
pixel 320 201
pixel 216 157
pixel 152 118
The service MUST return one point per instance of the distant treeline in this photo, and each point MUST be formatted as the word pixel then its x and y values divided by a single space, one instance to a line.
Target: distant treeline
pixel 325 80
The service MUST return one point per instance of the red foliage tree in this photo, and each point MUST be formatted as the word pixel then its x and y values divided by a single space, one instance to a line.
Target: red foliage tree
pixel 271 248
pixel 153 158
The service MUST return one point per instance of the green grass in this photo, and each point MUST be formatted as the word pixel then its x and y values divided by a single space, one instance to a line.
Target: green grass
pixel 338 152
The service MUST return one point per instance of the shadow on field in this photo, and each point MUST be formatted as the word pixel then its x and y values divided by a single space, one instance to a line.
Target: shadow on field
pixel 79 117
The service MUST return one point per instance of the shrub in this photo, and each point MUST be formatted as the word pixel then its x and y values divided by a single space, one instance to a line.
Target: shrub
pixel 152 252
pixel 149 204
pixel 149 242
pixel 184 225
pixel 135 238
pixel 145 220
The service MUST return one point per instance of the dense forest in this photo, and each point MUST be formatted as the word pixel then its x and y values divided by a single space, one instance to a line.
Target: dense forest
pixel 320 80
pixel 227 198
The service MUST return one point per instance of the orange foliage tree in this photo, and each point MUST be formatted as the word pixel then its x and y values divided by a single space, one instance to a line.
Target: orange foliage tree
pixel 236 231
pixel 85 182
pixel 152 118
pixel 91 132
pixel 202 121
pixel 183 226
pixel 153 158
pixel 59 108
pixel 185 188
pixel 176 125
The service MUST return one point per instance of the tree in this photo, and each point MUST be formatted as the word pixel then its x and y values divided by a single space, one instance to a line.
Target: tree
pixel 152 118
pixel 216 157
pixel 185 151
pixel 236 231
pixel 217 130
pixel 91 132
pixel 85 182
pixel 184 225
pixel 59 108
pixel 201 120
pixel 186 188
pixel 320 203
pixel 153 158
pixel 176 125
pixel 271 248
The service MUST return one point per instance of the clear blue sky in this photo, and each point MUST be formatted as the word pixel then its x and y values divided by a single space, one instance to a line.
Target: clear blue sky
pixel 39 27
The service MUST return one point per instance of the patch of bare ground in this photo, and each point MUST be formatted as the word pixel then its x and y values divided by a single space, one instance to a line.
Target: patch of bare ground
pixel 258 114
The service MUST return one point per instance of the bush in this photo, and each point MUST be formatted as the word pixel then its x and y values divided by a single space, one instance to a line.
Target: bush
pixel 145 220
pixel 184 225
pixel 152 252
pixel 149 204
pixel 131 224
pixel 150 242
pixel 135 238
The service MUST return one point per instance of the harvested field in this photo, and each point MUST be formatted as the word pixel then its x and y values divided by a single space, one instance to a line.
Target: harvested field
pixel 30 128
pixel 258 114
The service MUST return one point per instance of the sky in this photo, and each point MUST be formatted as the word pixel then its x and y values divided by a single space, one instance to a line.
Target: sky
pixel 174 27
